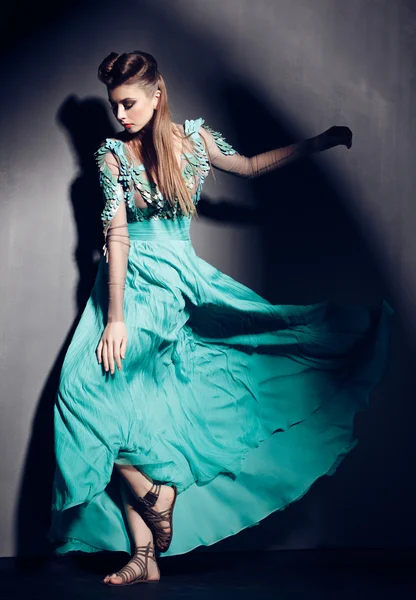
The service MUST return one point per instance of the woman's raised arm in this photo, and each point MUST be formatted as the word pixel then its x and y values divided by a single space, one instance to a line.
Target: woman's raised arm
pixel 225 158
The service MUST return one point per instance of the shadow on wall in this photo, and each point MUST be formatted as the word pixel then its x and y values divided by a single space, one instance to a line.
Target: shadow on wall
pixel 311 251
pixel 311 247
pixel 87 124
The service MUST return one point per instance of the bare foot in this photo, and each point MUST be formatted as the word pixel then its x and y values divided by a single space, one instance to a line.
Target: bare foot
pixel 137 565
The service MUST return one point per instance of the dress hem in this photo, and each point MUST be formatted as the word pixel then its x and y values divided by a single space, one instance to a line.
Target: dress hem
pixel 89 548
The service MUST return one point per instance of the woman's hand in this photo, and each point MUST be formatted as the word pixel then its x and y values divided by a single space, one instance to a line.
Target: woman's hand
pixel 334 136
pixel 112 346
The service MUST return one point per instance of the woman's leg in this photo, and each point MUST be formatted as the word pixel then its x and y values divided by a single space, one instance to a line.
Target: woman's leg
pixel 141 484
pixel 141 535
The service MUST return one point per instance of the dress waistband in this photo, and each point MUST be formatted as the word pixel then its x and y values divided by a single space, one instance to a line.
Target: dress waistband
pixel 160 229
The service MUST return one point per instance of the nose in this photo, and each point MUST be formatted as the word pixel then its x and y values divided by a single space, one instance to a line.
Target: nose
pixel 120 112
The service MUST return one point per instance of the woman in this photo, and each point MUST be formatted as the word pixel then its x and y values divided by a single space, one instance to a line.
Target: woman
pixel 215 406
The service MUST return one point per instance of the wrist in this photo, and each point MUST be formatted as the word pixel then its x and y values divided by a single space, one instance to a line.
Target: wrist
pixel 115 319
pixel 313 144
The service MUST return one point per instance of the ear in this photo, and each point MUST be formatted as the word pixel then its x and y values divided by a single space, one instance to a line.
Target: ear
pixel 156 99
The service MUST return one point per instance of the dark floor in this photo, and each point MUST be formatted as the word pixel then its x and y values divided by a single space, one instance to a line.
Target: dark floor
pixel 323 574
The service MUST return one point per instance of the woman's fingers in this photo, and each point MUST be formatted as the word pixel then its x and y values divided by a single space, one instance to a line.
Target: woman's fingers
pixel 105 356
pixel 110 355
pixel 116 352
pixel 109 350
pixel 120 352
pixel 99 351
pixel 123 347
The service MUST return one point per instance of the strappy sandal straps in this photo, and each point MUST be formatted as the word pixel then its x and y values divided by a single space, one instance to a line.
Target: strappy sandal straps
pixel 140 558
pixel 162 534
pixel 152 495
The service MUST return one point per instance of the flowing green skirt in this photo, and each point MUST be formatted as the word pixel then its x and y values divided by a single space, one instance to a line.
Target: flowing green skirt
pixel 240 403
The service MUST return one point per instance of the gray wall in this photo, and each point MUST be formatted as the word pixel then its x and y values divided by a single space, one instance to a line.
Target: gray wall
pixel 341 225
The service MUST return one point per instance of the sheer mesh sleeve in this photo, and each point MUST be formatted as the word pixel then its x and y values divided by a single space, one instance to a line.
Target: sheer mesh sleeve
pixel 225 158
pixel 116 235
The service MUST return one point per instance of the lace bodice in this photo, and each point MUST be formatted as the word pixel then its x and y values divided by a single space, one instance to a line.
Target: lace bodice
pixel 130 195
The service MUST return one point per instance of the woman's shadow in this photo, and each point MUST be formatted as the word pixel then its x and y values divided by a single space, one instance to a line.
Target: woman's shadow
pixel 311 249
pixel 87 124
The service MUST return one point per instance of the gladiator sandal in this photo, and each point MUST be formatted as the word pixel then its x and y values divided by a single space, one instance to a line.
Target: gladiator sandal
pixel 154 519
pixel 139 558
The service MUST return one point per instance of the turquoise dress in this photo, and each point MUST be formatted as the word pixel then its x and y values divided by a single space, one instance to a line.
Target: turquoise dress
pixel 241 403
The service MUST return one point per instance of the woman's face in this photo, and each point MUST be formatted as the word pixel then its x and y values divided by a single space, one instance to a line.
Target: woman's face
pixel 131 106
